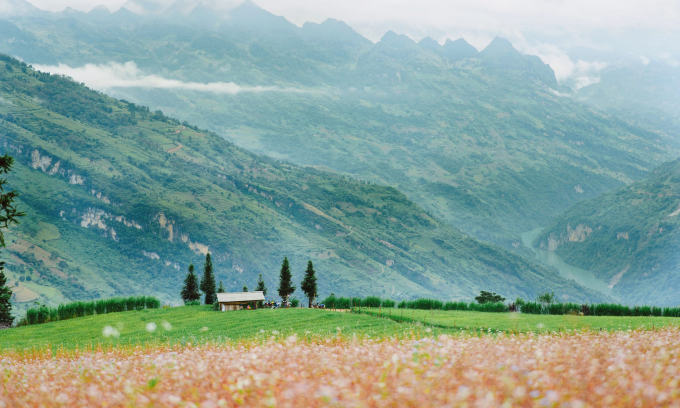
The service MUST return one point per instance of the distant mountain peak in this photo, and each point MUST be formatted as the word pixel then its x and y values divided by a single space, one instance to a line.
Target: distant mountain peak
pixel 101 9
pixel 430 44
pixel 459 49
pixel 333 30
pixel 17 8
pixel 396 40
pixel 500 45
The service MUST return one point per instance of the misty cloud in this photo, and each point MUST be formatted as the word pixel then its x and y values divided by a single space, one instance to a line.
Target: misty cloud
pixel 113 75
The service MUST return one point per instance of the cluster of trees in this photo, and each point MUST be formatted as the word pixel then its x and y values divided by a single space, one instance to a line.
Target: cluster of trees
pixel 192 288
pixel 190 291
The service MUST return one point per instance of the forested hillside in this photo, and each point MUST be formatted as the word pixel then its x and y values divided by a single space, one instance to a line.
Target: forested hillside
pixel 120 200
pixel 630 237
pixel 486 140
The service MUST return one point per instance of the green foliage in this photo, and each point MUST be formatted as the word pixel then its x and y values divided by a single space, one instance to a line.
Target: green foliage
pixel 261 287
pixel 371 301
pixel 388 303
pixel 546 298
pixel 66 311
pixel 422 304
pixel 194 303
pixel 295 302
pixel 488 297
pixel 9 215
pixel 308 284
pixel 221 289
pixel 190 289
pixel 286 287
pixel 208 281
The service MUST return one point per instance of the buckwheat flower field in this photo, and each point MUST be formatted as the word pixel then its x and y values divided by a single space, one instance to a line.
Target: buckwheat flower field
pixel 578 369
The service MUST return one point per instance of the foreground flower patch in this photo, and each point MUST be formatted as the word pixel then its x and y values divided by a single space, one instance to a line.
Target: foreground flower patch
pixel 638 369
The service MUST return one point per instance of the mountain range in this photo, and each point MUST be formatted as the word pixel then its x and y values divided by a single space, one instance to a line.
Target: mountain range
pixel 484 140
pixel 484 145
pixel 120 200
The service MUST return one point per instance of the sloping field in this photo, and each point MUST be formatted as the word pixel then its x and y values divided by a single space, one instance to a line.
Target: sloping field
pixel 193 324
pixel 596 369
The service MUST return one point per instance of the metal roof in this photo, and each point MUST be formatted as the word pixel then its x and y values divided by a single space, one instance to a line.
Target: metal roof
pixel 239 297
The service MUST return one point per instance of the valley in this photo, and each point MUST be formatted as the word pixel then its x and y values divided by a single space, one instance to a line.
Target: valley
pixel 115 209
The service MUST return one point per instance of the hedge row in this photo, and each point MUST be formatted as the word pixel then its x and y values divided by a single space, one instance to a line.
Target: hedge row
pixel 332 302
pixel 601 309
pixel 65 311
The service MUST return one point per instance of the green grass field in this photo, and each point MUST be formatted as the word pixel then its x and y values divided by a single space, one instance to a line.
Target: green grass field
pixel 193 324
pixel 197 324
pixel 521 322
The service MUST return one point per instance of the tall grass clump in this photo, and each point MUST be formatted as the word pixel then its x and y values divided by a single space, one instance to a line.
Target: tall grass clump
pixel 371 301
pixel 388 303
pixel 65 311
pixel 491 307
pixel 332 302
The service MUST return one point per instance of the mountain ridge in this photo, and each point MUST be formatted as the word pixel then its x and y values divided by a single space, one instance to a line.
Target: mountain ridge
pixel 121 199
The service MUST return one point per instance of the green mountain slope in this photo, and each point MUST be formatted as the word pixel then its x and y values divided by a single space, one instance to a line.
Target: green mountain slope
pixel 630 237
pixel 480 139
pixel 120 200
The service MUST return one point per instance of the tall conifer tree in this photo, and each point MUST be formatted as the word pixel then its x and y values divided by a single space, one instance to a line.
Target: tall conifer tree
pixel 286 287
pixel 8 215
pixel 261 287
pixel 208 281
pixel 221 289
pixel 190 291
pixel 308 285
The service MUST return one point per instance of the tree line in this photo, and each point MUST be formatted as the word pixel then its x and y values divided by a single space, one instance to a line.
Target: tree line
pixel 192 288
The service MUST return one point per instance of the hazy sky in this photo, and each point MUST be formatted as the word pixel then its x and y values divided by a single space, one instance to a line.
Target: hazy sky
pixel 558 31
pixel 460 14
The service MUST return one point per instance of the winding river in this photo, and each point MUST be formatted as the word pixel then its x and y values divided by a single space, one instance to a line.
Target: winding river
pixel 582 276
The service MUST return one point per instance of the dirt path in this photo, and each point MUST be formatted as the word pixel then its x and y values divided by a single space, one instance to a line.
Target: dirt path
pixel 174 149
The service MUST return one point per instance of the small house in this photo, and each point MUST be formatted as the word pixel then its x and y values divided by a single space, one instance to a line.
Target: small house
pixel 238 300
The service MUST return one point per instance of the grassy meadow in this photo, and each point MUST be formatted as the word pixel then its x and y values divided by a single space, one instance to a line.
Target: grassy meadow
pixel 520 322
pixel 195 324
pixel 200 324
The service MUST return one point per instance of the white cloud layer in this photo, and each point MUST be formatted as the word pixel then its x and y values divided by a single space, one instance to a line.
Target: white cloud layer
pixel 110 76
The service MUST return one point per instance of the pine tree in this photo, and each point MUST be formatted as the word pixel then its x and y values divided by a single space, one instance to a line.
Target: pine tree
pixel 6 318
pixel 208 281
pixel 221 289
pixel 286 287
pixel 190 291
pixel 8 215
pixel 261 286
pixel 245 288
pixel 308 285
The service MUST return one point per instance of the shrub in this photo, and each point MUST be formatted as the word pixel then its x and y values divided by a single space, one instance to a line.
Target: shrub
pixel 131 303
pixel 333 302
pixel 194 303
pixel 100 307
pixel 371 301
pixel 296 303
pixel 489 307
pixel 671 311
pixel 388 303
pixel 532 308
